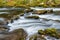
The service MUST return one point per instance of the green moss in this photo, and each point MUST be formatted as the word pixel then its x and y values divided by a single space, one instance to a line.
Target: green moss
pixel 41 32
pixel 50 32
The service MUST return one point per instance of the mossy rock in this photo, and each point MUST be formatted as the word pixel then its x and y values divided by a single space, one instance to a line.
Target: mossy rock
pixel 47 31
pixel 41 32
pixel 50 32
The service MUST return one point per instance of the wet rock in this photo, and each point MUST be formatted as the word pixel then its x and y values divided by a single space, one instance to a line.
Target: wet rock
pixel 57 20
pixel 47 34
pixel 57 12
pixel 58 30
pixel 18 34
pixel 37 37
pixel 22 14
pixel 3 21
pixel 50 32
pixel 16 18
pixel 4 28
pixel 50 11
pixel 41 32
pixel 32 17
pixel 45 19
pixel 12 21
pixel 3 25
pixel 28 10
pixel 39 12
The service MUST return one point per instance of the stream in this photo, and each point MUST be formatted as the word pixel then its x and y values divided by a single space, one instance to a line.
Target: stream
pixel 31 26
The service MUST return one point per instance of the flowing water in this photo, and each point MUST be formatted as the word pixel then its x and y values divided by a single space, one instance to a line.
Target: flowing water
pixel 31 26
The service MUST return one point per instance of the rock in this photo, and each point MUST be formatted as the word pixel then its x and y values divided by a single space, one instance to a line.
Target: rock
pixel 52 32
pixel 50 11
pixel 28 10
pixel 3 25
pixel 32 17
pixel 45 19
pixel 3 21
pixel 57 20
pixel 39 12
pixel 37 37
pixel 57 12
pixel 58 30
pixel 4 28
pixel 22 14
pixel 16 18
pixel 41 32
pixel 12 21
pixel 18 34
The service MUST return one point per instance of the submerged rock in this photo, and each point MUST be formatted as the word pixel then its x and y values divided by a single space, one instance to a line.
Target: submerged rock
pixel 18 34
pixel 32 17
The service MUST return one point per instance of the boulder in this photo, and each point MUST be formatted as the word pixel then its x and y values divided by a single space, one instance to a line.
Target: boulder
pixel 18 34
